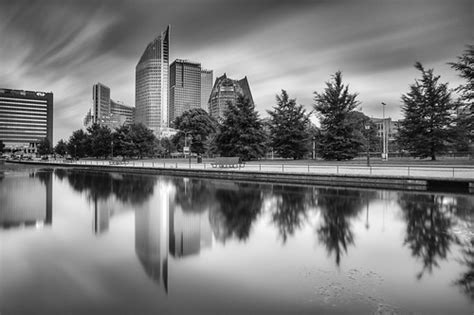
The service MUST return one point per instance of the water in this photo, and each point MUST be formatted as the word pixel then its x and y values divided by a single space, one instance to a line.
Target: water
pixel 78 242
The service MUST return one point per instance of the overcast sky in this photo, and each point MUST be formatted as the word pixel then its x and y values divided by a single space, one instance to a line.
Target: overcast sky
pixel 66 46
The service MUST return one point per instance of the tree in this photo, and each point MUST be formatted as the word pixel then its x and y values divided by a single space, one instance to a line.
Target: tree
pixel 288 128
pixel 197 123
pixel 241 133
pixel 77 146
pixel 464 131
pixel 427 126
pixel 337 133
pixel 44 147
pixel 100 138
pixel 61 148
pixel 359 122
pixel 138 141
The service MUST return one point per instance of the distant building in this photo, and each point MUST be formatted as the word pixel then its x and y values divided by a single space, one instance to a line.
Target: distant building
pixel 227 90
pixel 206 87
pixel 391 127
pixel 100 102
pixel 185 87
pixel 107 112
pixel 151 84
pixel 26 117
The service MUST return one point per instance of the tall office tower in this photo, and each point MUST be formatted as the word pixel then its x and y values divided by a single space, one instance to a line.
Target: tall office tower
pixel 151 84
pixel 227 90
pixel 185 87
pixel 26 117
pixel 206 87
pixel 100 102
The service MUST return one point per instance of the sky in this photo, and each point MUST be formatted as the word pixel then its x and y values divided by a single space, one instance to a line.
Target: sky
pixel 66 46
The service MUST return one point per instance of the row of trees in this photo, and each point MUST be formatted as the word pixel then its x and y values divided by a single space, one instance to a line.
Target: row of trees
pixel 434 121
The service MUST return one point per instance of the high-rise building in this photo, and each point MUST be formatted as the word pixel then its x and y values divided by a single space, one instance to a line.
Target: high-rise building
pixel 26 117
pixel 100 102
pixel 151 84
pixel 185 87
pixel 227 90
pixel 124 113
pixel 206 87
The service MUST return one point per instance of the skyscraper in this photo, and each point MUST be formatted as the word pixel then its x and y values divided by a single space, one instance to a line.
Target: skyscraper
pixel 206 87
pixel 227 90
pixel 26 117
pixel 185 87
pixel 151 84
pixel 100 102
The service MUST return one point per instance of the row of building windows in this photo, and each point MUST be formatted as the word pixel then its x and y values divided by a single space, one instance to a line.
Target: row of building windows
pixel 26 100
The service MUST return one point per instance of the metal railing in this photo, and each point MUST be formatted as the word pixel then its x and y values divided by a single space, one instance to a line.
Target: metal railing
pixel 459 172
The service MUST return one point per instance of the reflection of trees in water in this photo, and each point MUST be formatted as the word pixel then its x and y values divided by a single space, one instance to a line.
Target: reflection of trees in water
pixel 43 175
pixel 466 280
pixel 337 207
pixel 134 189
pixel 291 205
pixel 193 195
pixel 235 211
pixel 429 229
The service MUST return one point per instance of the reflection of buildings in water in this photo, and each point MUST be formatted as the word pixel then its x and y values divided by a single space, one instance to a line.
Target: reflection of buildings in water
pixel 103 211
pixel 188 232
pixel 25 201
pixel 151 234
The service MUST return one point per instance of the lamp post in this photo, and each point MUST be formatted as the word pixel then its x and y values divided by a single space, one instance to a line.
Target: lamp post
pixel 75 152
pixel 367 128
pixel 112 145
pixel 314 147
pixel 384 143
pixel 186 133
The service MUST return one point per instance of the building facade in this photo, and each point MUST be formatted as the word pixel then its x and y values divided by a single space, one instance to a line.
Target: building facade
pixel 227 90
pixel 124 113
pixel 151 84
pixel 26 117
pixel 100 102
pixel 185 87
pixel 206 87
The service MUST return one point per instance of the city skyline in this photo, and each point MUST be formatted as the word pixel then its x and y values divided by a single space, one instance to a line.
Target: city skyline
pixel 374 44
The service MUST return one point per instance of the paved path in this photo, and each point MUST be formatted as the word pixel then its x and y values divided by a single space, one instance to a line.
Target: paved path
pixel 451 172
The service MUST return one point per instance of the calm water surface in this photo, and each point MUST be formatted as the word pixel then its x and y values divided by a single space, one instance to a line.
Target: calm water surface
pixel 79 242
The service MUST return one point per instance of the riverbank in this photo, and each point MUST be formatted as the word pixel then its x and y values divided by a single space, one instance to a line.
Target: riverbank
pixel 446 179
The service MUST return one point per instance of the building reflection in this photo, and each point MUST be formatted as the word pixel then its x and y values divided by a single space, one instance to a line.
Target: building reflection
pixel 26 201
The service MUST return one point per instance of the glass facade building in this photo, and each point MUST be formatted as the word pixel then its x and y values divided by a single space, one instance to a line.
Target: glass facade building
pixel 185 87
pixel 100 102
pixel 26 117
pixel 227 90
pixel 151 84
pixel 206 87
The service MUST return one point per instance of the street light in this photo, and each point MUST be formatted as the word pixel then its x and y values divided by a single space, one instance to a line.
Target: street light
pixel 75 152
pixel 314 147
pixel 112 144
pixel 367 127
pixel 185 145
pixel 384 143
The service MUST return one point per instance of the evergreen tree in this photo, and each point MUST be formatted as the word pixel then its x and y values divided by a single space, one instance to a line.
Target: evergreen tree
pixel 288 128
pixel 334 105
pixel 44 147
pixel 199 125
pixel 426 128
pixel 61 148
pixel 241 133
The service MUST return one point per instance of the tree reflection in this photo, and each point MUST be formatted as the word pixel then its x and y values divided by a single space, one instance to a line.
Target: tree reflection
pixel 235 211
pixel 466 280
pixel 193 195
pixel 337 208
pixel 291 205
pixel 429 229
pixel 134 189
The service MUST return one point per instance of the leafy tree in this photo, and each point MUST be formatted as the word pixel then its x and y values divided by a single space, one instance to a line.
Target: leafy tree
pixel 241 133
pixel 78 143
pixel 359 121
pixel 427 126
pixel 61 148
pixel 168 146
pixel 288 128
pixel 334 105
pixel 2 146
pixel 100 138
pixel 135 140
pixel 197 123
pixel 44 147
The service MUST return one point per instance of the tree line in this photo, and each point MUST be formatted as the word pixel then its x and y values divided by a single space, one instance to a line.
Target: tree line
pixel 434 121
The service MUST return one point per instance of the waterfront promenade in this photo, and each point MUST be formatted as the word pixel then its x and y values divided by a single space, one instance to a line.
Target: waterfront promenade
pixel 463 170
